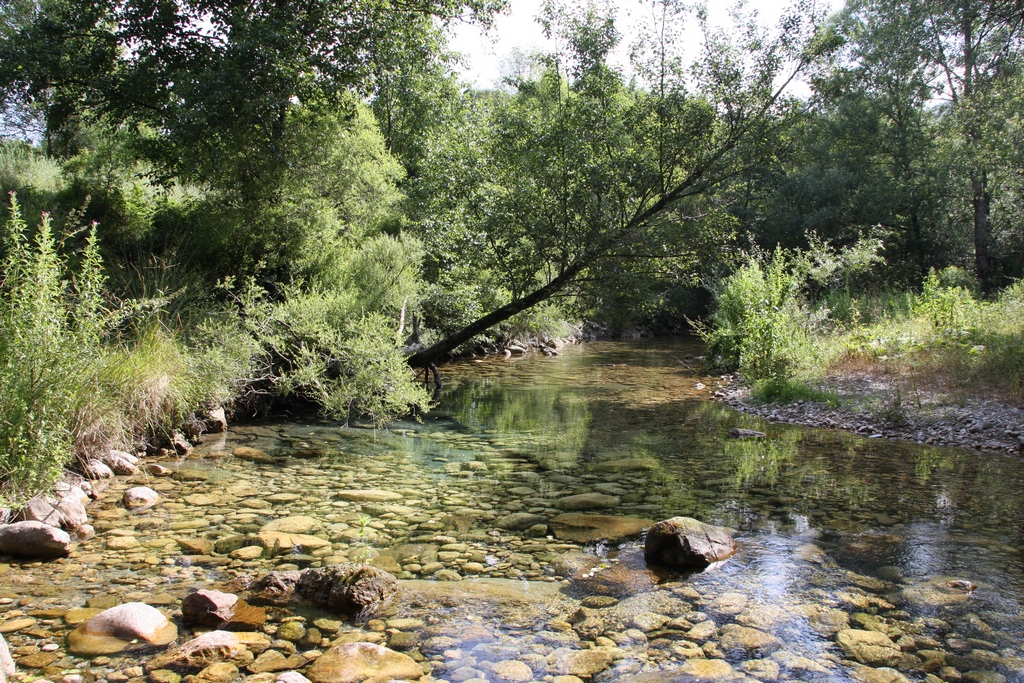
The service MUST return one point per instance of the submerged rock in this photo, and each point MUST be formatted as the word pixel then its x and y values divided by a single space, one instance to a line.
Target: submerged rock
pixel 118 628
pixel 348 588
pixel 252 455
pixel 587 501
pixel 588 528
pixel 737 433
pixel 34 539
pixel 869 647
pixel 939 592
pixel 198 653
pixel 686 544
pixel 358 662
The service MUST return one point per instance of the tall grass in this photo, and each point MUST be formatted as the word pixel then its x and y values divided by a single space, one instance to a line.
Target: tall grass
pixel 78 376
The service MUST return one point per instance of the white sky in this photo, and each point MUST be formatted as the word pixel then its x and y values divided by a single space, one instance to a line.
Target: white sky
pixel 484 53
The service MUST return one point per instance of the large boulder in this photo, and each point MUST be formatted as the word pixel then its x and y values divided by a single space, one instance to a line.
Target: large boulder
pixel 686 544
pixel 348 588
pixel 358 662
pixel 118 628
pixel 34 539
pixel 580 528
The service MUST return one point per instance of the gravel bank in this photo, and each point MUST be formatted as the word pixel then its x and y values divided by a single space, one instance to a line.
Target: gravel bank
pixel 873 407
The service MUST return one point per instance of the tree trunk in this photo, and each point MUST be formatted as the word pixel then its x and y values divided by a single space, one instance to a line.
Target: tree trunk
pixel 982 203
pixel 444 347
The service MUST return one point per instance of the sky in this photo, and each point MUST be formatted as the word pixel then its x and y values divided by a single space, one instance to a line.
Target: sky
pixel 516 29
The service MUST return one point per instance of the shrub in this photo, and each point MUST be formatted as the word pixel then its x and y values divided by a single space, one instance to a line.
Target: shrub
pixel 53 318
pixel 755 328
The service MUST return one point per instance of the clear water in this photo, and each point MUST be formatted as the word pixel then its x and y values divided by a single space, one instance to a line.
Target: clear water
pixel 923 542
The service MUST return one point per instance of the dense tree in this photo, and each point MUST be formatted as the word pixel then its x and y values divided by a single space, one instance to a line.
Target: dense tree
pixel 577 167
pixel 214 79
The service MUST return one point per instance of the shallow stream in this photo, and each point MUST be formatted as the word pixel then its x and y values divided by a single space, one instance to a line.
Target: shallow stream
pixel 838 536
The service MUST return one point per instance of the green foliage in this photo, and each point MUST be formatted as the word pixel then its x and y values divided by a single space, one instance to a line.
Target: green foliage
pixel 756 327
pixel 53 317
pixel 791 391
pixel 950 308
pixel 324 347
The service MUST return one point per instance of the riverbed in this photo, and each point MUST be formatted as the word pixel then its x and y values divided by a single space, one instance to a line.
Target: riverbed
pixel 472 508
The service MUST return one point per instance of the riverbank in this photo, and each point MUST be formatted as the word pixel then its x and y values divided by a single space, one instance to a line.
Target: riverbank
pixel 878 407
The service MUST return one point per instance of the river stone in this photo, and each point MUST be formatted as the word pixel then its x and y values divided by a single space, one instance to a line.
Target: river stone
pixel 6 661
pixel 15 625
pixel 120 462
pixel 729 604
pixel 40 509
pixel 587 501
pixel 196 546
pixel 247 553
pixel 281 543
pixel 220 611
pixel 510 671
pixel 198 653
pixel 297 524
pixel 707 670
pixel 118 628
pixel 702 631
pixel 291 677
pixel 348 588
pixel 358 662
pixel 578 662
pixel 272 660
pixel 686 544
pixel 34 539
pixel 216 420
pixel 869 647
pixel 519 521
pixel 939 592
pixel 71 507
pixel 189 474
pixel 140 498
pixel 95 469
pixel 368 496
pixel 617 580
pixel 252 455
pixel 749 640
pixel 276 587
pixel 867 674
pixel 588 528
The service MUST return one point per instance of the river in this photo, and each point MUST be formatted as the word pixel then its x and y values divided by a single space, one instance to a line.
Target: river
pixel 838 535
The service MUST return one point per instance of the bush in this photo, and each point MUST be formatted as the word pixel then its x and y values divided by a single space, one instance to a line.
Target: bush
pixel 53 318
pixel 756 326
